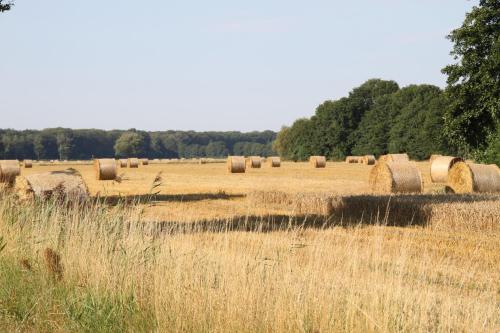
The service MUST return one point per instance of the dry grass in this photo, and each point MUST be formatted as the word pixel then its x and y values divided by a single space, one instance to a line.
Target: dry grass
pixel 275 249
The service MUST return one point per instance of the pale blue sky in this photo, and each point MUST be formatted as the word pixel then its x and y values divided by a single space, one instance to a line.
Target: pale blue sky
pixel 209 65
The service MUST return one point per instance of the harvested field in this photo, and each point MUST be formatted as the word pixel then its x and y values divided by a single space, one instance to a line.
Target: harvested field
pixel 276 250
pixel 190 192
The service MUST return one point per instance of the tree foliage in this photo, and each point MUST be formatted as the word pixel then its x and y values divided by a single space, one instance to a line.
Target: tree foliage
pixel 335 122
pixel 473 116
pixel 64 143
pixel 376 118
pixel 5 6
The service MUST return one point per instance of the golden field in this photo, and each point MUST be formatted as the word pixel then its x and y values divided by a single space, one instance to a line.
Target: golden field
pixel 204 191
pixel 272 250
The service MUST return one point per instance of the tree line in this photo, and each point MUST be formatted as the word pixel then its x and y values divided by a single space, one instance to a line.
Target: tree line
pixel 70 144
pixel 379 117
pixel 375 118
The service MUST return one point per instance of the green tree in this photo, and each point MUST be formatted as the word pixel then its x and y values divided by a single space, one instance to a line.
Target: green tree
pixel 472 119
pixel 131 144
pixel 372 134
pixel 335 122
pixel 45 146
pixel 5 6
pixel 492 153
pixel 295 143
pixel 157 150
pixel 65 144
pixel 417 123
pixel 216 149
pixel 282 143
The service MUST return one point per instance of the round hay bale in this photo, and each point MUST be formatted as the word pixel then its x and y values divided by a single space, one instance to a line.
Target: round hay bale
pixel 394 158
pixel 396 177
pixel 105 168
pixel 67 184
pixel 144 161
pixel 274 161
pixel 440 167
pixel 317 161
pixel 369 159
pixel 236 164
pixel 123 163
pixel 133 162
pixel 9 170
pixel 352 159
pixel 469 178
pixel 28 164
pixel 433 157
pixel 254 162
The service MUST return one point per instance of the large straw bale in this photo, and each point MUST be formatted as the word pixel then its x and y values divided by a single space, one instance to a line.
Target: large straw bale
pixel 123 162
pixel 317 161
pixel 105 168
pixel 236 164
pixel 254 161
pixel 467 178
pixel 67 184
pixel 353 159
pixel 440 167
pixel 133 162
pixel 28 164
pixel 274 161
pixel 144 161
pixel 394 158
pixel 368 159
pixel 9 170
pixel 395 177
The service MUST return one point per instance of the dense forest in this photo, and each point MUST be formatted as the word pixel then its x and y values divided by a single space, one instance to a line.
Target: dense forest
pixel 69 144
pixel 376 118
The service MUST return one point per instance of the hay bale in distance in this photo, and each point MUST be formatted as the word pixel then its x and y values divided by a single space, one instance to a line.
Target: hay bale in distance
pixel 440 166
pixel 254 162
pixel 396 177
pixel 369 159
pixel 317 161
pixel 133 162
pixel 105 168
pixel 144 161
pixel 67 184
pixel 28 164
pixel 236 164
pixel 468 178
pixel 352 159
pixel 9 170
pixel 274 161
pixel 394 158
pixel 123 163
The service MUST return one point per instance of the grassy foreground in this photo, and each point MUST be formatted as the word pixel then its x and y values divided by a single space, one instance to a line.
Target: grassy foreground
pixel 107 270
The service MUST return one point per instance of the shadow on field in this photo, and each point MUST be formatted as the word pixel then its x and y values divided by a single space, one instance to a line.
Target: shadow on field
pixel 347 211
pixel 152 198
pixel 397 210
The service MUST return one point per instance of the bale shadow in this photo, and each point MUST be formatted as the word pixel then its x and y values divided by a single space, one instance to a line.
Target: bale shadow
pixel 395 210
pixel 347 211
pixel 155 198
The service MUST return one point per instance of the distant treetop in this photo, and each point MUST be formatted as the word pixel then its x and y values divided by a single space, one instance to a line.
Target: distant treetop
pixel 5 6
